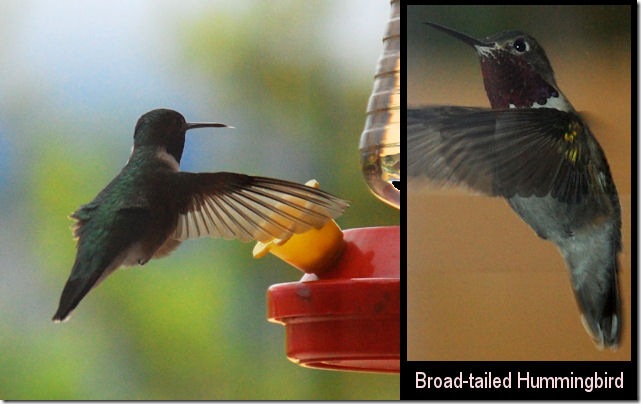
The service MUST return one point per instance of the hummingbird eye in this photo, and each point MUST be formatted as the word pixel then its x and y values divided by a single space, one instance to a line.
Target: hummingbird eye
pixel 520 45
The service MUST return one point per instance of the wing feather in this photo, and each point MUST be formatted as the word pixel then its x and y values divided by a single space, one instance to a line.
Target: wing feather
pixel 248 208
pixel 524 152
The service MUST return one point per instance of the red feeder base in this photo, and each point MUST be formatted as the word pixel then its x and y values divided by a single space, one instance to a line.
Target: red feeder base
pixel 348 317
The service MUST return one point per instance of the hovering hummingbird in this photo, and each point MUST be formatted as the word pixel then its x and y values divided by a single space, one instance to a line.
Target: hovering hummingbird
pixel 533 149
pixel 151 206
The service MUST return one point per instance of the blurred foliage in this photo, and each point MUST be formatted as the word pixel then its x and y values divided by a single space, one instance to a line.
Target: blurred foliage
pixel 285 81
pixel 191 326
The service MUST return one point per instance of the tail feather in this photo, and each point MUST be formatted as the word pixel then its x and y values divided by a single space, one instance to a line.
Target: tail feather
pixel 597 293
pixel 85 275
pixel 75 290
pixel 601 309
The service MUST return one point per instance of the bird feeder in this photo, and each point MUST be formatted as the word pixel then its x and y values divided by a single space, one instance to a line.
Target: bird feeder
pixel 344 313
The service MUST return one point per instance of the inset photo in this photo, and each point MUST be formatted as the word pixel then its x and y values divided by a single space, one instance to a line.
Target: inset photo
pixel 519 190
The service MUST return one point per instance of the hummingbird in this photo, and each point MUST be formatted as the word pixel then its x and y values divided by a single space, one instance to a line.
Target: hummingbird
pixel 533 149
pixel 151 206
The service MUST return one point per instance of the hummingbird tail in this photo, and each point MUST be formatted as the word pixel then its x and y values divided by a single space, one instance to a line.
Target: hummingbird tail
pixel 597 294
pixel 71 297
pixel 80 282
pixel 75 290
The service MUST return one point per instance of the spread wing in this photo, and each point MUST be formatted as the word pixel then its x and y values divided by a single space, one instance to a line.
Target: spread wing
pixel 511 152
pixel 249 208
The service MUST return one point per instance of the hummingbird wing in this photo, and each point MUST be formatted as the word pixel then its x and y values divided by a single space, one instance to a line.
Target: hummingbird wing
pixel 249 208
pixel 521 152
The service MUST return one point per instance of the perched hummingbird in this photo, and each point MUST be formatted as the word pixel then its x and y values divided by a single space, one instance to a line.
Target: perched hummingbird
pixel 151 206
pixel 533 149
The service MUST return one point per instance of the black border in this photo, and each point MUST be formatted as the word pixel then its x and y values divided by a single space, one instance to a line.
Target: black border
pixel 545 369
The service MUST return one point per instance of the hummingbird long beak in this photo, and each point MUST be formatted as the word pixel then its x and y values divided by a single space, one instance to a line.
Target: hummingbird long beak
pixel 467 39
pixel 195 125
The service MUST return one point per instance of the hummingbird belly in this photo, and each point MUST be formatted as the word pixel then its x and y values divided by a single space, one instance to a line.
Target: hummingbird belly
pixel 136 255
pixel 557 221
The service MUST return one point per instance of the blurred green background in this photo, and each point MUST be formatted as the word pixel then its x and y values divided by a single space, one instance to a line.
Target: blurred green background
pixel 293 78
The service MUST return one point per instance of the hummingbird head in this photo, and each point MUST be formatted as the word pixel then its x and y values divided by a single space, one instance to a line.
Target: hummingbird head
pixel 516 70
pixel 165 129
